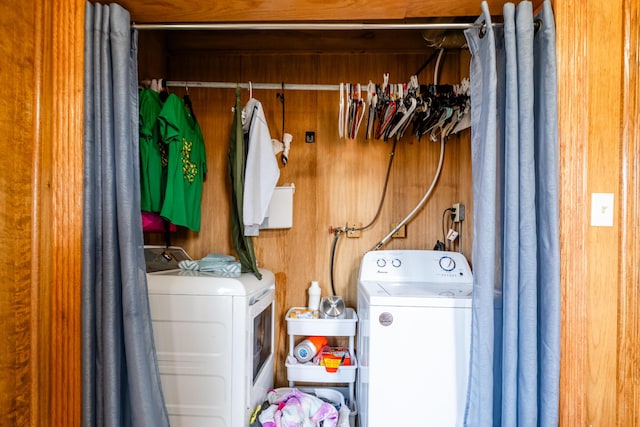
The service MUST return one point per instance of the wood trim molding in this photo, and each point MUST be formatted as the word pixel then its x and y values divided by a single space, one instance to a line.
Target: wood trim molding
pixel 41 230
pixel 63 92
pixel 629 312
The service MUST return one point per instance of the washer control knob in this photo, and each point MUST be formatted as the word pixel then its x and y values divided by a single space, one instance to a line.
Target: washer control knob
pixel 447 263
pixel 385 318
pixel 396 262
pixel 381 262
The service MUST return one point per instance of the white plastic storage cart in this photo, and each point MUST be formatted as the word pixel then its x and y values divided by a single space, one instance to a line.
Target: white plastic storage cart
pixel 310 373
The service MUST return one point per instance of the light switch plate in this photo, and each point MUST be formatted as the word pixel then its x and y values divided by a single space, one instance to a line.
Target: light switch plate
pixel 602 209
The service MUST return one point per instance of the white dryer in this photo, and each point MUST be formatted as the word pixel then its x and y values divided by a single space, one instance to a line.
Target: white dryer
pixel 413 339
pixel 214 339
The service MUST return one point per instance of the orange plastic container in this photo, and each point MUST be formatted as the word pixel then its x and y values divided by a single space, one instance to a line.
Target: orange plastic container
pixel 333 357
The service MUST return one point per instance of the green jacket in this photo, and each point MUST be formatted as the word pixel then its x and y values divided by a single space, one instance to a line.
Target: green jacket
pixel 236 156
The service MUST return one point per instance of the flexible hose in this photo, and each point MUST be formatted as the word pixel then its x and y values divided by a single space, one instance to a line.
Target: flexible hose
pixel 419 205
pixel 333 255
pixel 436 70
pixel 384 191
pixel 339 231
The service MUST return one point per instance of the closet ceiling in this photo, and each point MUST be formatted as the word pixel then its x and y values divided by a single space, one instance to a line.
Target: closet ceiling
pixel 301 11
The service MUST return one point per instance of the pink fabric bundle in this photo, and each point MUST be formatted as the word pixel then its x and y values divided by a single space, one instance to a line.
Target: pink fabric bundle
pixel 152 222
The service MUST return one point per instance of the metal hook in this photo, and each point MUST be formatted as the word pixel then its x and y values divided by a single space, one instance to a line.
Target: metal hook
pixel 537 25
pixel 280 97
pixel 483 29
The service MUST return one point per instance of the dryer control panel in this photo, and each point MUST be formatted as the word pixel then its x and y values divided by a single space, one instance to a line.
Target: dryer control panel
pixel 443 267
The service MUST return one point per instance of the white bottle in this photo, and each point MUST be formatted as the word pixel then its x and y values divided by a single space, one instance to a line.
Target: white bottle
pixel 314 296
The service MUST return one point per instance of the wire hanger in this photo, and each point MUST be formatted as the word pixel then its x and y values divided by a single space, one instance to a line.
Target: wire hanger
pixel 280 97
pixel 341 112
pixel 187 101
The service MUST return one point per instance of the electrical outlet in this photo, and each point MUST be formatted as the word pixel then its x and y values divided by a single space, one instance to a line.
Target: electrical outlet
pixel 457 212
pixel 309 137
pixel 401 233
pixel 354 233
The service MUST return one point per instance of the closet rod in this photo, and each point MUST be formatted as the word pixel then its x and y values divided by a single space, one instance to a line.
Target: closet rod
pixel 303 26
pixel 263 86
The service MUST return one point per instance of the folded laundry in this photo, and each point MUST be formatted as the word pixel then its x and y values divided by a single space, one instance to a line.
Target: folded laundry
pixel 214 263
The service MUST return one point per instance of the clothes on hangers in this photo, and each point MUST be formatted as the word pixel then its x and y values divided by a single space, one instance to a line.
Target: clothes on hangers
pixel 186 164
pixel 153 153
pixel 236 158
pixel 355 110
pixel 372 102
pixel 445 108
pixel 261 169
pixel 437 110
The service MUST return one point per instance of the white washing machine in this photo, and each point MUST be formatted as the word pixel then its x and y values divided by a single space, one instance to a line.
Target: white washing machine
pixel 414 309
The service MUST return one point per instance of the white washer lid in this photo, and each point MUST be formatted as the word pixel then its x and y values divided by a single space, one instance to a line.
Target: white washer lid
pixel 418 294
pixel 426 290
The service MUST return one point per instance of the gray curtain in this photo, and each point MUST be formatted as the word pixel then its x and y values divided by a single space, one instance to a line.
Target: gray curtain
pixel 120 382
pixel 515 340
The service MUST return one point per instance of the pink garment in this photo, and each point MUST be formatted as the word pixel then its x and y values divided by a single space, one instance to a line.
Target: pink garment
pixel 152 222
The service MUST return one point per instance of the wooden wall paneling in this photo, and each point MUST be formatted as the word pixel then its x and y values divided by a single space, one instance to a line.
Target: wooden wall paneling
pixel 576 65
pixel 603 177
pixel 417 166
pixel 465 177
pixel 589 70
pixel 573 79
pixel 352 173
pixel 57 98
pixel 41 179
pixel 152 57
pixel 628 380
pixel 215 211
pixel 416 8
pixel 289 252
pixel 301 41
pixel 337 180
pixel 18 390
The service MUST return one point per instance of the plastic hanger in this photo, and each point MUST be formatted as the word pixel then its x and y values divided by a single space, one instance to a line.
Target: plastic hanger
pixel 341 113
pixel 371 104
pixel 348 107
pixel 360 109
